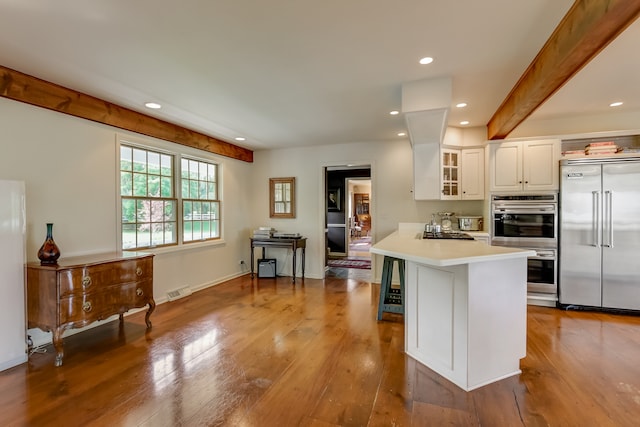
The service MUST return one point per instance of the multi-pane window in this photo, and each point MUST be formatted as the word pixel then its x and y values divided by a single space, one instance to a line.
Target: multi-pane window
pixel 149 216
pixel 200 200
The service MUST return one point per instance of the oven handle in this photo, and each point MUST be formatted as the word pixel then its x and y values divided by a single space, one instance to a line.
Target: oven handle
pixel 524 208
pixel 545 254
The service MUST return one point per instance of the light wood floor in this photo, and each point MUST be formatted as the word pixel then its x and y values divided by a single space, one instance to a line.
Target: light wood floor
pixel 266 353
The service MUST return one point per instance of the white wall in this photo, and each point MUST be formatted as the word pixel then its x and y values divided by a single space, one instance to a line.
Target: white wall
pixel 69 168
pixel 392 197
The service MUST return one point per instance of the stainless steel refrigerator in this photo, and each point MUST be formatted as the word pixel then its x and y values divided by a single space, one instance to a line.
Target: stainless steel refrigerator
pixel 599 237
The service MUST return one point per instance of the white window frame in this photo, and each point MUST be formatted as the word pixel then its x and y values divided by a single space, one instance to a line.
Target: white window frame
pixel 213 219
pixel 179 152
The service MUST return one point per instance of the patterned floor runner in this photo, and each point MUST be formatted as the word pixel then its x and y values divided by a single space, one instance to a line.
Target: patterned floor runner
pixel 350 263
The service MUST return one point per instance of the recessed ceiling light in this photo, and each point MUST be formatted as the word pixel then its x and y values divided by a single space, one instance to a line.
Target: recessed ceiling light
pixel 461 104
pixel 394 112
pixel 615 104
pixel 240 138
pixel 402 134
pixel 153 105
pixel 464 122
pixel 426 60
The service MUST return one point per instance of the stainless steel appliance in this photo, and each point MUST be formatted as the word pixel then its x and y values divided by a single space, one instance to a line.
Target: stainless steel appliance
pixel 530 222
pixel 469 223
pixel 600 233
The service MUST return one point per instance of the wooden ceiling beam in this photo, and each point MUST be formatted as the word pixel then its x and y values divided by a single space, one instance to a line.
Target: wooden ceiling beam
pixel 31 90
pixel 588 27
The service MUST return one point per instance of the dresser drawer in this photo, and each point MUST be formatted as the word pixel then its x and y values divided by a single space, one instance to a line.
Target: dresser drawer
pixel 80 309
pixel 80 290
pixel 93 277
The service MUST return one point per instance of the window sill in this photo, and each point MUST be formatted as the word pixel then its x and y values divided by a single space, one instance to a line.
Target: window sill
pixel 184 247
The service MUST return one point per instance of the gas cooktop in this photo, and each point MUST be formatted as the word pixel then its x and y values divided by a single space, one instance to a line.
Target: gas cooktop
pixel 451 235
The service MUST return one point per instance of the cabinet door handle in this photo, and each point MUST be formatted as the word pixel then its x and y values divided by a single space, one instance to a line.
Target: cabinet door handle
pixel 139 271
pixel 87 306
pixel 86 281
pixel 139 292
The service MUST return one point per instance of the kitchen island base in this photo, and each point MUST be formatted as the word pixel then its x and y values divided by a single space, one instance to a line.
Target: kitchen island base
pixel 467 322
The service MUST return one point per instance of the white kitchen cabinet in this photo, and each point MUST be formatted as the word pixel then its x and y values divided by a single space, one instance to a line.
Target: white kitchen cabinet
pixel 524 166
pixel 472 174
pixel 448 174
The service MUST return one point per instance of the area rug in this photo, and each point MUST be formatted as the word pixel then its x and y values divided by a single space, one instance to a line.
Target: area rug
pixel 350 263
pixel 360 245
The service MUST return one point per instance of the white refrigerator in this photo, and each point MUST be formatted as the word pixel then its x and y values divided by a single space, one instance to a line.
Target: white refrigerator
pixel 13 331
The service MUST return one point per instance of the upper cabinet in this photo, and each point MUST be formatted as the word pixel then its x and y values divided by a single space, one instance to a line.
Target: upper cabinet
pixel 524 166
pixel 472 177
pixel 448 174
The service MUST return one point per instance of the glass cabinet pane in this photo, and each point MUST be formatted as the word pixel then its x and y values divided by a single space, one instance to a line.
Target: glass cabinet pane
pixel 450 175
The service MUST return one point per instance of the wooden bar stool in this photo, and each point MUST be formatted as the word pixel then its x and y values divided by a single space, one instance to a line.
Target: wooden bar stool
pixel 391 299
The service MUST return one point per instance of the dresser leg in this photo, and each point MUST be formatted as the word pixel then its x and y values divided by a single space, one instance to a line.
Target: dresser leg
pixel 57 344
pixel 152 306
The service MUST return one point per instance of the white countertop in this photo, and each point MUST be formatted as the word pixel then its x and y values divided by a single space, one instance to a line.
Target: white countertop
pixel 409 245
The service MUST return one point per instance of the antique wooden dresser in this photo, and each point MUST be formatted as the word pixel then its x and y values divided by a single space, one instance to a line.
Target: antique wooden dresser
pixel 81 290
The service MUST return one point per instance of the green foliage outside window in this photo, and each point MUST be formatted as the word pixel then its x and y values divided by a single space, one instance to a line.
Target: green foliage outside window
pixel 150 216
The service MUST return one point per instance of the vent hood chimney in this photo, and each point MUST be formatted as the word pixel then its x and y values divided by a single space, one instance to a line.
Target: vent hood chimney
pixel 425 105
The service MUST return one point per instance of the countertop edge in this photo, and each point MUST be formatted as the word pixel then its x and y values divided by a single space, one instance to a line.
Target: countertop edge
pixel 409 247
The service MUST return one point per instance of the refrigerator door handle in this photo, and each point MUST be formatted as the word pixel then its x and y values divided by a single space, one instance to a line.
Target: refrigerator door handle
pixel 607 221
pixel 595 223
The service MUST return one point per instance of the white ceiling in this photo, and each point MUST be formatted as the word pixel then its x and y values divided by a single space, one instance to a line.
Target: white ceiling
pixel 286 73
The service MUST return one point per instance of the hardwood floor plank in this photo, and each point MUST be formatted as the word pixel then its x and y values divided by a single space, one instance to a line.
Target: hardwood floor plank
pixel 351 391
pixel 265 352
pixel 394 402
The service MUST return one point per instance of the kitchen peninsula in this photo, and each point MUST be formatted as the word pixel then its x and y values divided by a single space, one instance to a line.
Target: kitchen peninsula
pixel 465 309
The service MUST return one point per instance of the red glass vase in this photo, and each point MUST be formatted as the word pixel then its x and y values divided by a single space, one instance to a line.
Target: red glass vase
pixel 49 251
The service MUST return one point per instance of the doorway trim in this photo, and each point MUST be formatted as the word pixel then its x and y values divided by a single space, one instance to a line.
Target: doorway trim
pixel 322 202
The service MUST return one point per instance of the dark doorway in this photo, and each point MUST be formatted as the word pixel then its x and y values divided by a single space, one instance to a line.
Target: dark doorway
pixel 348 217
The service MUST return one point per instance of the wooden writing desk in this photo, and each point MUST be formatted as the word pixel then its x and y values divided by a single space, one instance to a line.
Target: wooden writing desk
pixel 280 242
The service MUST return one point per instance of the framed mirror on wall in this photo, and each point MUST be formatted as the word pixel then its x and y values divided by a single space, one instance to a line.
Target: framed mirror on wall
pixel 282 197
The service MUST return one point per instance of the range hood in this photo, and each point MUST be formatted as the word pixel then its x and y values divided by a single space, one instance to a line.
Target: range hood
pixel 425 105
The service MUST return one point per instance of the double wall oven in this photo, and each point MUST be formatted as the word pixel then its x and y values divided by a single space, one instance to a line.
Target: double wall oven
pixel 530 222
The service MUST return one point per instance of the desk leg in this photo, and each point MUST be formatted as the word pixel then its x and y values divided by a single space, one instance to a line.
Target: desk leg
pixel 303 250
pixel 252 261
pixel 294 263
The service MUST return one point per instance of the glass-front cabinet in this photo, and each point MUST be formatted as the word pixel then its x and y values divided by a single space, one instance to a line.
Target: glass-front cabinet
pixel 450 174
